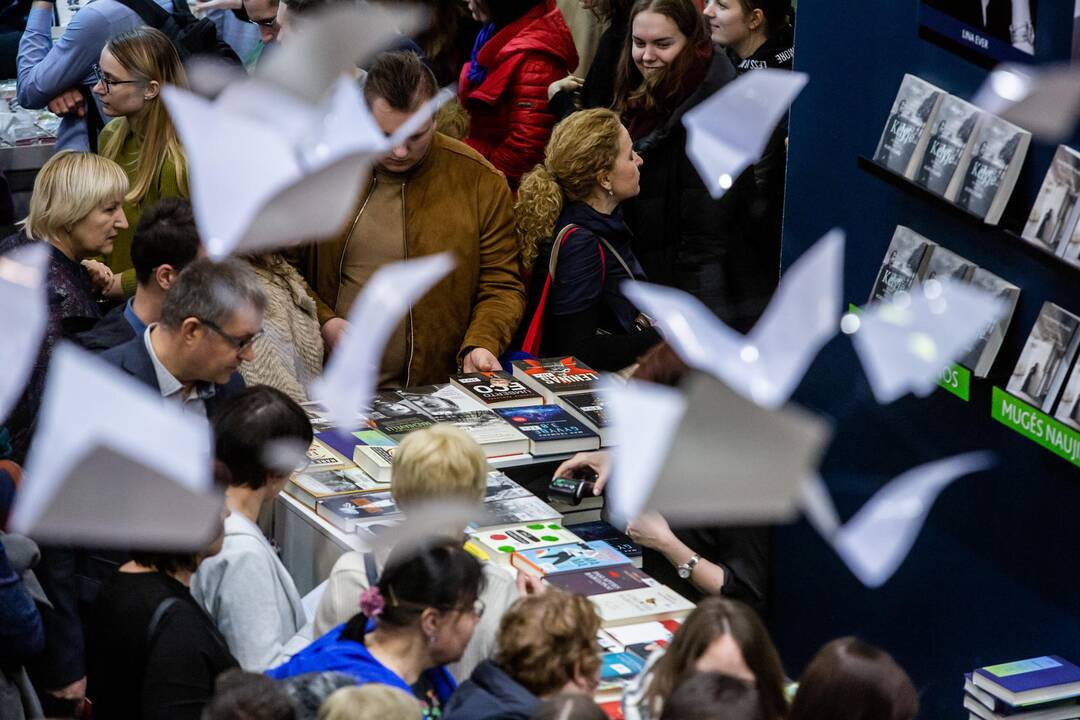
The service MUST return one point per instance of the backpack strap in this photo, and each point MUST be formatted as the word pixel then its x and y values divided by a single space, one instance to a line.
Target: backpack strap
pixel 370 569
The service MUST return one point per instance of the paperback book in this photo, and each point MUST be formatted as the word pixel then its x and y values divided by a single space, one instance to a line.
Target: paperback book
pixel 950 143
pixel 1042 711
pixel 496 389
pixel 592 408
pixel 1068 410
pixel 905 137
pixel 529 509
pixel 990 175
pixel 1044 363
pixel 376 461
pixel 980 358
pixel 549 561
pixel 499 543
pixel 321 457
pixel 500 487
pixel 904 265
pixel 349 513
pixel 655 602
pixel 553 376
pixel 1053 218
pixel 600 581
pixel 312 486
pixel 344 443
pixel 1036 680
pixel 945 264
pixel 600 530
pixel 550 430
pixel 396 418
pixel 448 404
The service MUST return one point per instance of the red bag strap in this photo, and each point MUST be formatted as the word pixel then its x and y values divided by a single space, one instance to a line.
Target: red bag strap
pixel 533 335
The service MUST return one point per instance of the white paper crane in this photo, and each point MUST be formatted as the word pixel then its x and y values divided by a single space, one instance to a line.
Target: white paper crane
pixel 22 296
pixel 1043 100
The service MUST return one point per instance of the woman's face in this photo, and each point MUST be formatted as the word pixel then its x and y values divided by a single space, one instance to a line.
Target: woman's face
pixel 724 656
pixel 93 235
pixel 624 176
pixel 455 630
pixel 121 94
pixel 479 12
pixel 657 41
pixel 728 21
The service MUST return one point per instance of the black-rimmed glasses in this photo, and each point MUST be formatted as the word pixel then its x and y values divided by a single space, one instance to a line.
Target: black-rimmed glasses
pixel 106 82
pixel 239 343
pixel 266 22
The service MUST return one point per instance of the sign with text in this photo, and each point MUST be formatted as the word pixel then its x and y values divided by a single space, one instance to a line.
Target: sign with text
pixel 1036 426
pixel 1002 30
pixel 957 380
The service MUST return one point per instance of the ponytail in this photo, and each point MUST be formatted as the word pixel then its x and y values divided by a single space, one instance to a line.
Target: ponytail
pixel 539 204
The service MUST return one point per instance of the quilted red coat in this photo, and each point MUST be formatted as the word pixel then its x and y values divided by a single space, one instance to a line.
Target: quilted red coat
pixel 510 120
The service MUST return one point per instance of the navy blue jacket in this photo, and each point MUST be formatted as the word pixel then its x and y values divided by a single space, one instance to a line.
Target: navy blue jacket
pixel 491 694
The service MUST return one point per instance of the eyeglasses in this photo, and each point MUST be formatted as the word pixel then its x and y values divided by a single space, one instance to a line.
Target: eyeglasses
pixel 239 343
pixel 265 22
pixel 107 83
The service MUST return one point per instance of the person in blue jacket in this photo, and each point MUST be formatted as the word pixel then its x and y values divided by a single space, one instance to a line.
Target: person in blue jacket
pixel 418 617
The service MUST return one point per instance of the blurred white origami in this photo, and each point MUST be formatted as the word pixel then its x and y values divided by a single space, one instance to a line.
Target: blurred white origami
pixel 767 364
pixel 875 541
pixel 1043 100
pixel 22 296
pixel 348 383
pixel 728 132
pixel 135 475
pixel 906 343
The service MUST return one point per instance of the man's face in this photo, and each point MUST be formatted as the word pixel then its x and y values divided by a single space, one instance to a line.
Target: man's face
pixel 264 14
pixel 214 354
pixel 404 157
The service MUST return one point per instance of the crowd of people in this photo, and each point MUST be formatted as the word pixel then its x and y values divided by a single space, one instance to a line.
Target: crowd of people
pixel 559 173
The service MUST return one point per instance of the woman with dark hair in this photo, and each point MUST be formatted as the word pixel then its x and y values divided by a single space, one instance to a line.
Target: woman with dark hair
pixel 523 47
pixel 416 619
pixel 597 89
pixel 683 237
pixel 713 696
pixel 719 636
pixel 245 588
pixel 849 679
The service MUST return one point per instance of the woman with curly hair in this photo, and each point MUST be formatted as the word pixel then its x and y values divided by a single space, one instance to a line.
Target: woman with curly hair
pixel 570 228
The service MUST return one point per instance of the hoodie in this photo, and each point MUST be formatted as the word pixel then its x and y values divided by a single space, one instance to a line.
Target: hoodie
pixel 491 694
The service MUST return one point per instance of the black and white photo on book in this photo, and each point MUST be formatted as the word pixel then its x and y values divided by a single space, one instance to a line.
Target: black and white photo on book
pixel 953 127
pixel 1040 373
pixel 905 137
pixel 1068 410
pixel 980 357
pixel 999 149
pixel 1052 219
pixel 904 264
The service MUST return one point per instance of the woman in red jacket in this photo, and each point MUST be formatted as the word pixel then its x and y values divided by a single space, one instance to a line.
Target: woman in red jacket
pixel 523 47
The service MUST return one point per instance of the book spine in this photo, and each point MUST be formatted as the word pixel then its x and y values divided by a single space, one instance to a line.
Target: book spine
pixel 522 563
pixel 965 160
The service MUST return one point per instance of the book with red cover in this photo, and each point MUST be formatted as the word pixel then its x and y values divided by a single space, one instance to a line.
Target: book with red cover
pixel 554 376
pixel 601 580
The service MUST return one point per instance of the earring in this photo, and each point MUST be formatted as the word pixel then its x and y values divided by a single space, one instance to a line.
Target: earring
pixel 431 639
pixel 610 192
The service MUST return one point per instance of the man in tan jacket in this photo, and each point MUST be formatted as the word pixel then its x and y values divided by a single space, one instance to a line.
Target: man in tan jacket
pixel 428 195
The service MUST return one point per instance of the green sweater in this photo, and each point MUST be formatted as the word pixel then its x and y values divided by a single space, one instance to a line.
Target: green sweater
pixel 164 185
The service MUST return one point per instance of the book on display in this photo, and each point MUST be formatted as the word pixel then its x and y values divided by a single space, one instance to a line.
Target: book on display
pixel 642 638
pixel 980 358
pixel 600 580
pixel 514 511
pixel 904 264
pixel 311 486
pixel 1042 711
pixel 553 376
pixel 499 543
pixel 655 602
pixel 550 429
pixel 1068 409
pixel 904 140
pixel 500 487
pixel 349 513
pixel 600 530
pixel 1044 363
pixel 321 457
pixel 593 409
pixel 1053 218
pixel 496 389
pixel 344 443
pixel 548 561
pixel 945 264
pixel 377 461
pixel 952 130
pixel 396 418
pixel 1035 680
pixel 988 179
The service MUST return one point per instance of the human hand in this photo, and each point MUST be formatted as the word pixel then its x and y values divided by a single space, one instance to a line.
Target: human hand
pixel 67 103
pixel 480 360
pixel 651 530
pixel 528 585
pixel 75 692
pixel 599 461
pixel 101 277
pixel 201 8
pixel 333 330
pixel 570 83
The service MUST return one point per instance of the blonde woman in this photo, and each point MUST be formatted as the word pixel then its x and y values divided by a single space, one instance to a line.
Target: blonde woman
pixel 133 69
pixel 569 206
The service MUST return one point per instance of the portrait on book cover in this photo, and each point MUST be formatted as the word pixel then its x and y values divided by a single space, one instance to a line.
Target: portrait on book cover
pixel 1010 22
pixel 1050 222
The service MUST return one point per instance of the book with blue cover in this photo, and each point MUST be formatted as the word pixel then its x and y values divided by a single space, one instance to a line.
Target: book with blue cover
pixel 1035 680
pixel 548 561
pixel 344 442
pixel 550 429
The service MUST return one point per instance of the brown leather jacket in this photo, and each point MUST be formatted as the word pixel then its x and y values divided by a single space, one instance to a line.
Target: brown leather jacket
pixel 454 200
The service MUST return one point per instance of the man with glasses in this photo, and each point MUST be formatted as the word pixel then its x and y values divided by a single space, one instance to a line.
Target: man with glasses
pixel 210 319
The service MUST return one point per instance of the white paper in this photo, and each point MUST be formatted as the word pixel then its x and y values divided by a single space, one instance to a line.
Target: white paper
pixel 767 364
pixel 135 475
pixel 1042 100
pixel 350 378
pixel 644 419
pixel 728 132
pixel 906 343
pixel 276 171
pixel 427 521
pixel 876 540
pixel 22 296
pixel 818 506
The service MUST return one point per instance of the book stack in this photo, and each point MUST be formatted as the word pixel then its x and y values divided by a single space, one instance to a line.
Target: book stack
pixel 1054 222
pixel 626 650
pixel 1042 688
pixel 1042 374
pixel 592 409
pixel 312 486
pixel 551 377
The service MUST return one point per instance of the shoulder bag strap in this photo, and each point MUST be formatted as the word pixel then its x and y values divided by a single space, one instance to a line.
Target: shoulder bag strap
pixel 535 328
pixel 553 261
pixel 155 620
pixel 152 14
pixel 370 569
pixel 613 251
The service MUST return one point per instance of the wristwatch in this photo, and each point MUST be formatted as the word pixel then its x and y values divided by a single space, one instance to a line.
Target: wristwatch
pixel 687 568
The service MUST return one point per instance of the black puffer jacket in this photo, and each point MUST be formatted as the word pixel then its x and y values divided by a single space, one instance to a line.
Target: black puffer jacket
pixel 686 239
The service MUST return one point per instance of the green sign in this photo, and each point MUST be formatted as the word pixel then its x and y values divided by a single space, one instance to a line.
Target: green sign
pixel 1036 426
pixel 957 380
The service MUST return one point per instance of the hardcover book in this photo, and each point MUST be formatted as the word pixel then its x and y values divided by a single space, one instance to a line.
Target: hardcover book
pixel 321 457
pixel 1053 219
pixel 343 442
pixel 548 561
pixel 1044 363
pixel 945 263
pixel 655 602
pixel 553 376
pixel 904 264
pixel 1068 410
pixel 904 139
pixel 550 429
pixel 529 509
pixel 496 389
pixel 378 461
pixel 1036 680
pixel 447 404
pixel 310 487
pixel 999 149
pixel 592 408
pixel 1068 710
pixel 980 358
pixel 395 417
pixel 349 513
pixel 600 530
pixel 950 142
pixel 499 543
pixel 600 581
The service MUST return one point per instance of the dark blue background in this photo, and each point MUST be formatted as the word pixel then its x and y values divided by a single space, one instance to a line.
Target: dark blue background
pixel 995 575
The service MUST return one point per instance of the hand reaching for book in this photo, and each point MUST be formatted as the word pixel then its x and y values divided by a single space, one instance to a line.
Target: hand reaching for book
pixel 598 461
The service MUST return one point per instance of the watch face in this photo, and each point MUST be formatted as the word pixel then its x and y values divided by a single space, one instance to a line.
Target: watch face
pixel 684 572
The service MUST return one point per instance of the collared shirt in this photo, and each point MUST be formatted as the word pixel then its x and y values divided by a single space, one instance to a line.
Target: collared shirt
pixel 171 388
pixel 133 320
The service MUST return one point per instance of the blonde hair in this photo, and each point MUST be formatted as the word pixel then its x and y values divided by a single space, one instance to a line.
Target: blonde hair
pixel 67 188
pixel 543 640
pixel 370 702
pixel 581 147
pixel 148 54
pixel 441 461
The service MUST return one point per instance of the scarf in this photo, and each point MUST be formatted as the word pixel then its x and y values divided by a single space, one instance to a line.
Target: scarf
pixel 477 73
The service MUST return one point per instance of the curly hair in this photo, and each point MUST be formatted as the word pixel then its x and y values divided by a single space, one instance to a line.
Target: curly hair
pixel 581 147
pixel 544 640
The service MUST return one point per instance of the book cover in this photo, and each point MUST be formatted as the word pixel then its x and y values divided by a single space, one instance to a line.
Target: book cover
pixel 952 130
pixel 551 376
pixel 321 457
pixel 997 31
pixel 600 581
pixel 642 638
pixel 1064 710
pixel 496 389
pixel 343 443
pixel 311 486
pixel 980 358
pixel 593 408
pixel 1040 373
pixel 548 561
pixel 1052 220
pixel 1070 249
pixel 348 513
pixel 620 666
pixel 600 530
pixel 550 429
pixel 395 417
pixel 500 543
pixel 1068 409
pixel 377 461
pixel 530 509
pixel 448 404
pixel 904 264
pixel 905 135
pixel 500 487
pixel 641 605
pixel 944 263
pixel 1035 680
pixel 999 149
